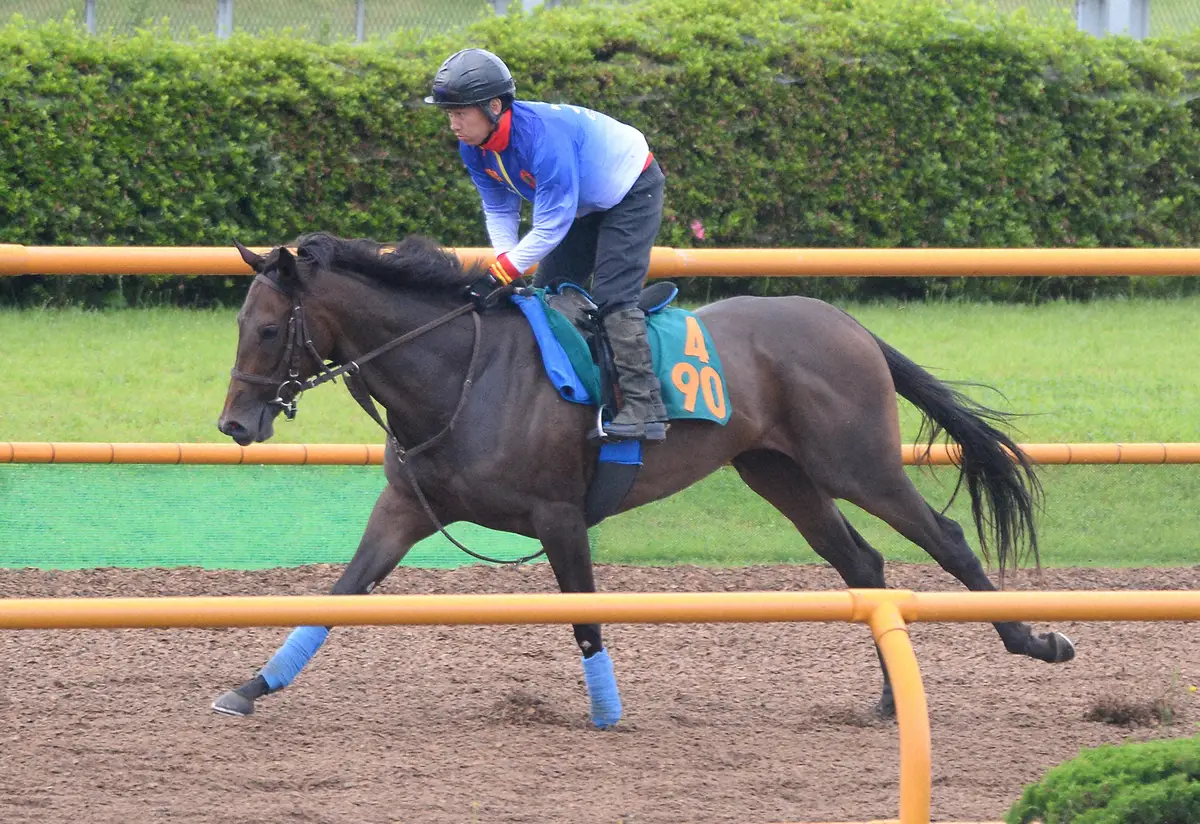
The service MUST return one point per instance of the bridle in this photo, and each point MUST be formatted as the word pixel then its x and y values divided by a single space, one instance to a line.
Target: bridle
pixel 299 343
pixel 289 388
pixel 290 385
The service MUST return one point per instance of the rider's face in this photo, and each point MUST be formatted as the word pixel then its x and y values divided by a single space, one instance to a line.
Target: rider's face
pixel 470 124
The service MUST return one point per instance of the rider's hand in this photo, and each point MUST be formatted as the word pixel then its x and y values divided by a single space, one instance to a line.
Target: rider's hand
pixel 481 290
pixel 501 275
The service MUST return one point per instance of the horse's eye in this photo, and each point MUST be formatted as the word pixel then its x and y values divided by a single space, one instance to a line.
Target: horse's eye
pixel 270 332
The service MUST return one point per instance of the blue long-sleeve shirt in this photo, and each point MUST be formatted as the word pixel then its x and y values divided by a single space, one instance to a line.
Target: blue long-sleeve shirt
pixel 567 160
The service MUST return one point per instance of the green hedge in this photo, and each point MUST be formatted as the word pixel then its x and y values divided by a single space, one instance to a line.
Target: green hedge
pixel 779 123
pixel 1156 782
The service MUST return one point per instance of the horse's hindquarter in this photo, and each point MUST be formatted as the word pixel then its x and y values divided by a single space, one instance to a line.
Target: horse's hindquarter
pixel 802 368
pixel 804 378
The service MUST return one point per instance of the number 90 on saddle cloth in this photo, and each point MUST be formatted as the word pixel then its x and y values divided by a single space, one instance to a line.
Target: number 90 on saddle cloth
pixel 576 356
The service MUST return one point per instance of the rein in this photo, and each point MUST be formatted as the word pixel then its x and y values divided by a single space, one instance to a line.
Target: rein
pixel 351 374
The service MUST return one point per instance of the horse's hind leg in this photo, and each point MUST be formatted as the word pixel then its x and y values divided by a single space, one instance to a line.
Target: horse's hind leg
pixel 886 708
pixel 396 523
pixel 900 505
pixel 562 530
pixel 781 481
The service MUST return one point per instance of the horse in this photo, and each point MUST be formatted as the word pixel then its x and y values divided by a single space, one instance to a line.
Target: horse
pixel 814 420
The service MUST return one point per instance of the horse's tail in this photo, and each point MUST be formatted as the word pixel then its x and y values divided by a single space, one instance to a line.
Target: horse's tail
pixel 1000 479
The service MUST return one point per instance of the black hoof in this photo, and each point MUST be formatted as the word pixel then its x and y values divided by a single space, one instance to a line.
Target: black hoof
pixel 1061 648
pixel 233 703
pixel 886 708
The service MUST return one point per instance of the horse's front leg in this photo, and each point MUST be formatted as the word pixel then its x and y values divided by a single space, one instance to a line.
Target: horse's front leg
pixel 396 523
pixel 563 532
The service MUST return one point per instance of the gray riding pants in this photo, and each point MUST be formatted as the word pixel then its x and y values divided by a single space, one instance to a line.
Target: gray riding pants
pixel 613 247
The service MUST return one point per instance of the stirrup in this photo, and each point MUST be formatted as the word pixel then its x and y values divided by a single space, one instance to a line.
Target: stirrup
pixel 598 434
pixel 651 431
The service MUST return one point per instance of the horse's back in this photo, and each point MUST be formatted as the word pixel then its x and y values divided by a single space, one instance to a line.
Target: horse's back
pixel 802 371
pixel 793 330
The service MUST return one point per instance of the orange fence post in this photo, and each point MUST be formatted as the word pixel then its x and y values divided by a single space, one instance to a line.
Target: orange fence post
pixel 912 712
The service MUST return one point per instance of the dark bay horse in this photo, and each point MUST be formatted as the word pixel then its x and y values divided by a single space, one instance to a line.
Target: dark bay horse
pixel 815 419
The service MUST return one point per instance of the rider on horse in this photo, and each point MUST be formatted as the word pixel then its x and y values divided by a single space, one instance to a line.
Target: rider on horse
pixel 597 196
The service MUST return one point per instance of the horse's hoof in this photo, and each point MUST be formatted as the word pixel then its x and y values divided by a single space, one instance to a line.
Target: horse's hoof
pixel 1061 648
pixel 885 710
pixel 233 703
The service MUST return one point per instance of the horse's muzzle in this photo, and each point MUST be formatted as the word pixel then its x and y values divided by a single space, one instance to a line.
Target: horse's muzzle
pixel 240 434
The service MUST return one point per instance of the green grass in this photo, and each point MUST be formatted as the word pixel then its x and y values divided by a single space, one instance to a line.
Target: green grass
pixel 1104 371
pixel 142 375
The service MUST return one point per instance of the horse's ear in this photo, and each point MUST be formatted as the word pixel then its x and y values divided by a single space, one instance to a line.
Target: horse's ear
pixel 286 264
pixel 253 260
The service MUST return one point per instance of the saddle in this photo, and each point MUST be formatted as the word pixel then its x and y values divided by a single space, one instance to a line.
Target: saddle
pixel 573 303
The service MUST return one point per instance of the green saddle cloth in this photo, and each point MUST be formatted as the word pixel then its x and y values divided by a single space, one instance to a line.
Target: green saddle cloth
pixel 685 360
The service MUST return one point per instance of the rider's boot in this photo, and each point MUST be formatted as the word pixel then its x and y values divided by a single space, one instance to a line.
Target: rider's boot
pixel 642 415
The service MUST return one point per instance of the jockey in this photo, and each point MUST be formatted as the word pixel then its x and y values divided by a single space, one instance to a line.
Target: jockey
pixel 597 196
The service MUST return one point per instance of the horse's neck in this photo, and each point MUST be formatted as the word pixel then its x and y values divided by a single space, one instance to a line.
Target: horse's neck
pixel 420 381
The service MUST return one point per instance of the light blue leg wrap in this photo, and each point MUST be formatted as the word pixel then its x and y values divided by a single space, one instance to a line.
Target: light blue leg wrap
pixel 297 650
pixel 602 689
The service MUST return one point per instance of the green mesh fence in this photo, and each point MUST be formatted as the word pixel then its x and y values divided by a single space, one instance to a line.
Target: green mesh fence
pixel 78 516
pixel 248 517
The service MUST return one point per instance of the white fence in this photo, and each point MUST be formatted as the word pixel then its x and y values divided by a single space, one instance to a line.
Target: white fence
pixel 362 19
pixel 318 19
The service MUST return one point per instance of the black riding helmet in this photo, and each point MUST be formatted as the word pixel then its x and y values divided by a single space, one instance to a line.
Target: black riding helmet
pixel 472 77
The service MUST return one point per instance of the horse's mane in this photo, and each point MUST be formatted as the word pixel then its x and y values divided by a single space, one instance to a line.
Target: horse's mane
pixel 416 262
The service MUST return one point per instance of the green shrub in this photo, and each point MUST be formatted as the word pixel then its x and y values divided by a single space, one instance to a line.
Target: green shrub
pixel 1156 782
pixel 779 123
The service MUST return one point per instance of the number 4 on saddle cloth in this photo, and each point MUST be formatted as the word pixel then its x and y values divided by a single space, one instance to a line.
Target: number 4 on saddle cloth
pixel 578 362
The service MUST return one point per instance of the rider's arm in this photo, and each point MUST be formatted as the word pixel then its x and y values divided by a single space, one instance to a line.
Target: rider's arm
pixel 501 209
pixel 556 200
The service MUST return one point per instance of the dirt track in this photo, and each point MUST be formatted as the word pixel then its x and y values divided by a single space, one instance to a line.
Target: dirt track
pixel 746 723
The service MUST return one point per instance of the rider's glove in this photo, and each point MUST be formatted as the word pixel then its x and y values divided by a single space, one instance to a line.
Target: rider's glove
pixel 500 274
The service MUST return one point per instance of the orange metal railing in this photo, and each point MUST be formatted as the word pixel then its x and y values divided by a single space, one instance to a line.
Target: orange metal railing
pixel 364 454
pixel 665 262
pixel 190 453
